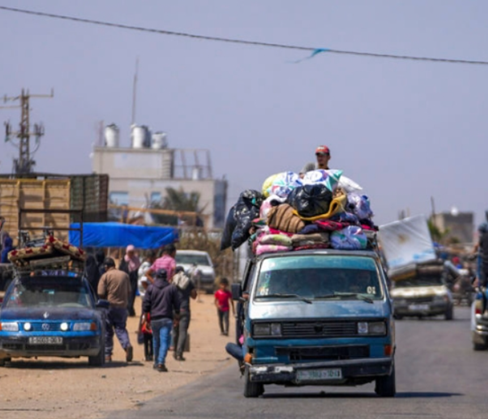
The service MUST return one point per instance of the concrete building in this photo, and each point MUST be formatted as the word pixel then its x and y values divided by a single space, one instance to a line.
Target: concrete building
pixel 139 175
pixel 459 224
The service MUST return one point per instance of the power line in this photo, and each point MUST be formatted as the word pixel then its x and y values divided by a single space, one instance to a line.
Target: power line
pixel 314 51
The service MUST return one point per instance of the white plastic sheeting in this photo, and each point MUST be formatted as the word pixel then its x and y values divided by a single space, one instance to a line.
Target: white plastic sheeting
pixel 406 242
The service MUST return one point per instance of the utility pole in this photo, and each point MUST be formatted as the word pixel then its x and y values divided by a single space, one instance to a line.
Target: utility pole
pixel 24 163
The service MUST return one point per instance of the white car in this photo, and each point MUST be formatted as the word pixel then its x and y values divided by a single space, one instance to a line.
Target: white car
pixel 199 266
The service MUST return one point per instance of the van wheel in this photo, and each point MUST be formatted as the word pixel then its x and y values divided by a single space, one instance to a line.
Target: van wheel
pixel 386 386
pixel 449 315
pixel 251 389
pixel 479 347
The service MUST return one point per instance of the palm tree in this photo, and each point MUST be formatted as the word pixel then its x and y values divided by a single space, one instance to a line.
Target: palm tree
pixel 178 200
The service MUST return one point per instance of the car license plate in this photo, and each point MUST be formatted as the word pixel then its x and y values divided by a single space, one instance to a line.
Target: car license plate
pixel 319 375
pixel 45 340
pixel 419 307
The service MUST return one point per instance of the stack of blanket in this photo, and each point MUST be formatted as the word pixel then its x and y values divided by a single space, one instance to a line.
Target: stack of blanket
pixel 321 210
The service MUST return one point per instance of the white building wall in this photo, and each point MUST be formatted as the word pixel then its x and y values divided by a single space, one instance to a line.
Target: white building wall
pixel 136 174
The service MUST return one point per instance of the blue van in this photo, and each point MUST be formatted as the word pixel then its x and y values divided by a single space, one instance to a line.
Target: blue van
pixel 316 317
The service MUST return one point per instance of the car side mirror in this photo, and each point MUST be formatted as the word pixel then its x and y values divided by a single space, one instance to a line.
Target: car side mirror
pixel 102 304
pixel 236 291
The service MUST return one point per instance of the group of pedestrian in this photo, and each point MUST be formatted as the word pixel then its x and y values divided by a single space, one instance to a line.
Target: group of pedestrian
pixel 166 293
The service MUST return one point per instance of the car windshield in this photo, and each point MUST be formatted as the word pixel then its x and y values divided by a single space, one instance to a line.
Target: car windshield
pixel 319 277
pixel 47 291
pixel 186 259
pixel 420 281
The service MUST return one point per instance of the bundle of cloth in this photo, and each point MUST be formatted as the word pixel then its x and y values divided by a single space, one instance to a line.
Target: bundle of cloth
pixel 321 209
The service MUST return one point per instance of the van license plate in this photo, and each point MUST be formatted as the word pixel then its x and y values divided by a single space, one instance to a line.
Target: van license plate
pixel 45 340
pixel 419 307
pixel 319 375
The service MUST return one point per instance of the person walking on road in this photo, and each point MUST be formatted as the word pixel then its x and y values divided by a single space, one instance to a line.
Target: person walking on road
pixel 166 262
pixel 114 286
pixel 186 290
pixel 222 298
pixel 160 301
pixel 143 282
pixel 130 265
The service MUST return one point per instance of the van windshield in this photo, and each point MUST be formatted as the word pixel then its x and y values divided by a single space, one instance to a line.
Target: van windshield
pixel 319 277
pixel 186 259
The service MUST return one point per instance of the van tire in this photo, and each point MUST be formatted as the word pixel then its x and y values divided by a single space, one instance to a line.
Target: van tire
pixel 386 386
pixel 479 347
pixel 251 389
pixel 449 314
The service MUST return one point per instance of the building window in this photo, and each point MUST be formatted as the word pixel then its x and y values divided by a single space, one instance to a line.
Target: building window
pixel 156 197
pixel 119 198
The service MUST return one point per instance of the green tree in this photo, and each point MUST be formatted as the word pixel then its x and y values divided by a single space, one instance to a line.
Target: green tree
pixel 436 233
pixel 178 200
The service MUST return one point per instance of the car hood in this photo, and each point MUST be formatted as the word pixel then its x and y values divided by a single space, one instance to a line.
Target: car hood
pixel 297 309
pixel 409 292
pixel 47 313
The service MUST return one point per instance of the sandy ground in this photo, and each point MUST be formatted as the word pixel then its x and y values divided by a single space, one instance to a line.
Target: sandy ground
pixel 58 388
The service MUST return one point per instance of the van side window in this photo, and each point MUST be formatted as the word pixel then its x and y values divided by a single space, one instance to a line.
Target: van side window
pixel 249 280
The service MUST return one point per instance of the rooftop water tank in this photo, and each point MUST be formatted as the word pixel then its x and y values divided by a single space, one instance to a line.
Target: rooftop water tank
pixel 140 136
pixel 159 140
pixel 112 136
pixel 196 173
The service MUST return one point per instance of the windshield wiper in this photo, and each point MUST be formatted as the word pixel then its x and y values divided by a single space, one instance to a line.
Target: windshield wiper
pixel 345 294
pixel 306 300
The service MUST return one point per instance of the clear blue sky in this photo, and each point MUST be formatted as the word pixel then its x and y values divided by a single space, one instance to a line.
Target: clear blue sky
pixel 404 130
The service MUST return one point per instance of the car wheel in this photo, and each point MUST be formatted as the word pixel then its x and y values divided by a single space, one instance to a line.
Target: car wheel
pixel 449 314
pixel 386 386
pixel 251 389
pixel 398 317
pixel 99 359
pixel 3 361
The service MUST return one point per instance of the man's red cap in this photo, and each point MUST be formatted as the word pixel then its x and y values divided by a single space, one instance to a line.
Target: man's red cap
pixel 322 149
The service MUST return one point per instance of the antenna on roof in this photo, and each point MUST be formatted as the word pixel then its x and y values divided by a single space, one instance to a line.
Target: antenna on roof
pixel 134 92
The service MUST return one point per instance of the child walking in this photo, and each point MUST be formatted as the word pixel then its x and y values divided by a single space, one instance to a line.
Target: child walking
pixel 222 298
pixel 145 334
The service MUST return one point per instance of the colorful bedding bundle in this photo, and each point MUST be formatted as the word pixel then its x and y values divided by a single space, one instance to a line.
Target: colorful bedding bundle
pixel 322 209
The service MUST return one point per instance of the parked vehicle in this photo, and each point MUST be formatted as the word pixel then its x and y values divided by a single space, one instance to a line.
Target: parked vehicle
pixel 200 261
pixel 316 317
pixel 479 320
pixel 51 313
pixel 423 293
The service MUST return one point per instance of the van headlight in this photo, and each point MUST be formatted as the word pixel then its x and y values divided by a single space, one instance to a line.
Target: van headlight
pixel 372 328
pixel 266 329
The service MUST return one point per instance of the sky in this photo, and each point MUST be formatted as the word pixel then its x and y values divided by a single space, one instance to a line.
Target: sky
pixel 406 131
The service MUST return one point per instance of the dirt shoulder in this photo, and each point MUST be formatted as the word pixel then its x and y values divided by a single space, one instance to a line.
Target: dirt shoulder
pixel 58 388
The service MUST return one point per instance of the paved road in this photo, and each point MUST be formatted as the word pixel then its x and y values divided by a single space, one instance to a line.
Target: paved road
pixel 438 376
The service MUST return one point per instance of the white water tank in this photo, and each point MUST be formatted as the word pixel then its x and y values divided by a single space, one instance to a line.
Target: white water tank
pixel 196 173
pixel 159 140
pixel 140 136
pixel 112 136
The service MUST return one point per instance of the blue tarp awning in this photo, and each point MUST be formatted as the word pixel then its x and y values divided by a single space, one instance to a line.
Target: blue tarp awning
pixel 121 235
